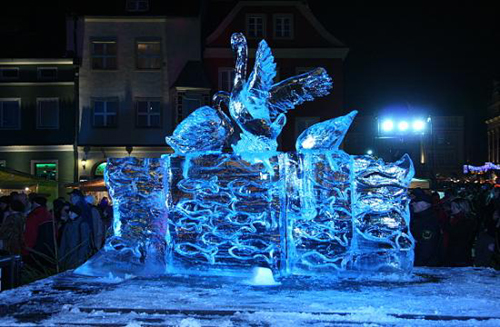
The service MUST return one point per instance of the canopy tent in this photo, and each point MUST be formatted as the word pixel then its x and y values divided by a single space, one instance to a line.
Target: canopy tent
pixel 421 183
pixel 95 187
pixel 13 180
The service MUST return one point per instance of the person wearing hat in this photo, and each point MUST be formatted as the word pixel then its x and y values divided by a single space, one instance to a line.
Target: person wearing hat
pixel 39 234
pixel 75 245
pixel 77 198
pixel 425 229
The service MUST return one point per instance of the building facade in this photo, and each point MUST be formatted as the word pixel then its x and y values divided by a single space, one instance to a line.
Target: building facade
pixel 37 118
pixel 299 43
pixel 128 84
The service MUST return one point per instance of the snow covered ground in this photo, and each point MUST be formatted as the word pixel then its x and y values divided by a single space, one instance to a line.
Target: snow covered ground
pixel 430 297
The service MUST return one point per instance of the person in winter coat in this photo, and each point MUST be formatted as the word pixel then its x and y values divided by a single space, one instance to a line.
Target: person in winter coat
pixel 39 236
pixel 75 240
pixel 12 229
pixel 97 224
pixel 462 233
pixel 425 229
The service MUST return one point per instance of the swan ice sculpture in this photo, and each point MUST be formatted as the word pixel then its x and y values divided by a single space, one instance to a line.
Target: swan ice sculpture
pixel 255 104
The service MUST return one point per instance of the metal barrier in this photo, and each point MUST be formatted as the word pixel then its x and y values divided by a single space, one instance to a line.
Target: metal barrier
pixel 10 267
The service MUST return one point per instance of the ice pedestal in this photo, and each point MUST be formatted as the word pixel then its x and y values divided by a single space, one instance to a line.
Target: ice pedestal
pixel 139 225
pixel 295 213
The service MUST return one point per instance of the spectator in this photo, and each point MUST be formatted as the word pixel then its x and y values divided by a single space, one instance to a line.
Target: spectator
pixel 97 223
pixel 107 214
pixel 39 236
pixel 462 232
pixel 77 198
pixel 75 240
pixel 12 228
pixel 4 207
pixel 61 214
pixel 425 229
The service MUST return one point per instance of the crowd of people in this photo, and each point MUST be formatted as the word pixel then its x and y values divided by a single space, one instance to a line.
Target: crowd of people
pixel 459 228
pixel 56 239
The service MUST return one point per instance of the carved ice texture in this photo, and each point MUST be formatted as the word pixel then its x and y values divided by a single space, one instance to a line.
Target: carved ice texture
pixel 317 210
pixel 205 129
pixel 325 136
pixel 225 213
pixel 139 220
pixel 381 218
pixel 258 106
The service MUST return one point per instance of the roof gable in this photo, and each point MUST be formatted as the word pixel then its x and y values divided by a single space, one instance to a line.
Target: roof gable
pixel 235 21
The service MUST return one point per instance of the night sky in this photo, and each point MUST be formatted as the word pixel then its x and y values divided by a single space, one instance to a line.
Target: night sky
pixel 439 60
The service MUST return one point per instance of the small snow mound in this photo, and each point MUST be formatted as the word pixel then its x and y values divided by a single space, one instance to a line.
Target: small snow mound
pixel 262 277
pixel 189 322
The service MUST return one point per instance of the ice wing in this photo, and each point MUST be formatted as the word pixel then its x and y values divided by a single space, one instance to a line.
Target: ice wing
pixel 295 90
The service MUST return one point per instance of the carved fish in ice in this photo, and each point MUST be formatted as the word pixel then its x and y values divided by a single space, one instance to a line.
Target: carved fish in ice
pixel 325 136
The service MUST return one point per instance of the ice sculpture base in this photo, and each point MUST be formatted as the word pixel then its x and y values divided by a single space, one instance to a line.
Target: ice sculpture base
pixel 212 213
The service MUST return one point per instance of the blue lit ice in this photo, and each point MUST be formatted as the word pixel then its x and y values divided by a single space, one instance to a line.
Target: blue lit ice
pixel 200 210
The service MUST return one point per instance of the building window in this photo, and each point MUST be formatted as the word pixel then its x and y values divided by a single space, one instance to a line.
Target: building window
pixel 148 112
pixel 9 73
pixel 10 113
pixel 256 26
pixel 226 79
pixel 283 26
pixel 149 55
pixel 137 5
pixel 45 169
pixel 105 112
pixel 99 170
pixel 3 163
pixel 104 55
pixel 302 123
pixel 47 113
pixel 47 73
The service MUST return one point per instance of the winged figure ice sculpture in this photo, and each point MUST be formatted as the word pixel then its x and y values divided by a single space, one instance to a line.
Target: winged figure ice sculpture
pixel 258 106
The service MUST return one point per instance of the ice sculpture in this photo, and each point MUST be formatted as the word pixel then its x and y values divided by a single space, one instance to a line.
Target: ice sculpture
pixel 316 210
pixel 140 220
pixel 258 106
pixel 205 129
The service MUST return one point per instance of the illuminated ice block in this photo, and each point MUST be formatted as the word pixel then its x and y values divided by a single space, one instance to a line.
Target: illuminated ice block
pixel 224 213
pixel 138 244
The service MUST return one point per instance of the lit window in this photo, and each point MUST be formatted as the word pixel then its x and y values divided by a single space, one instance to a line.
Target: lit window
pixel 148 113
pixel 10 113
pixel 47 113
pixel 105 113
pixel 9 73
pixel 283 26
pixel 149 55
pixel 47 73
pixel 137 5
pixel 256 26
pixel 104 55
pixel 47 170
pixel 3 163
pixel 226 79
pixel 99 170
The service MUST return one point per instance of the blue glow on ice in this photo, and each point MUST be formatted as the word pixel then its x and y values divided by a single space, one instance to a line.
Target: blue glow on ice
pixel 317 210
